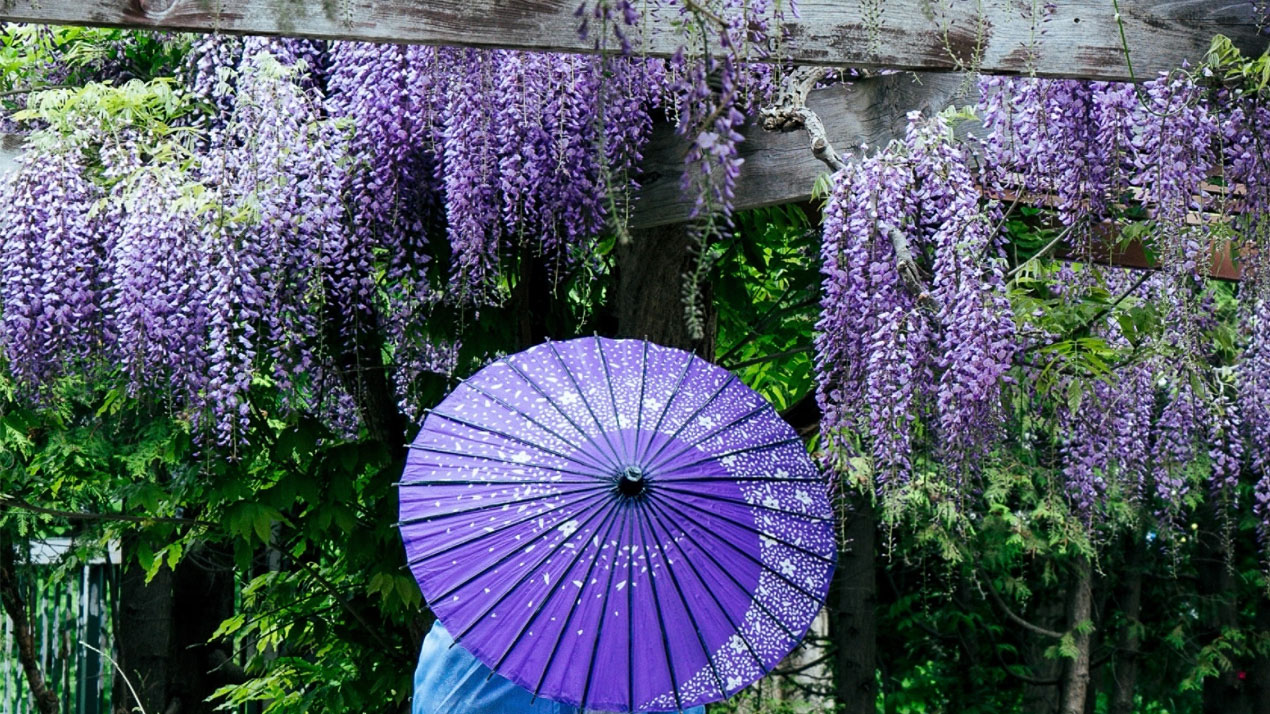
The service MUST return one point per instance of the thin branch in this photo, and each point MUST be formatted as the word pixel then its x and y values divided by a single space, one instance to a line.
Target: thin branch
pixel 703 11
pixel 1040 253
pixel 807 689
pixel 33 90
pixel 1106 310
pixel 1034 681
pixel 136 699
pixel 1116 303
pixel 339 597
pixel 805 666
pixel 16 502
pixel 769 358
pixel 890 579
pixel 1032 627
pixel 755 331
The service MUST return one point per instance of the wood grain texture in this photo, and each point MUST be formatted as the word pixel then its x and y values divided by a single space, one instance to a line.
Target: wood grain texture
pixel 1107 249
pixel 779 167
pixel 1077 38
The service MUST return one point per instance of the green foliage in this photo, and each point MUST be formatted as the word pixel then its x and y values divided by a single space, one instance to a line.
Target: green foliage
pixel 149 108
pixel 33 57
pixel 94 463
pixel 766 291
pixel 1229 66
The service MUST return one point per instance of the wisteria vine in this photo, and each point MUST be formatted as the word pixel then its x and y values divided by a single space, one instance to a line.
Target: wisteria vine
pixel 922 390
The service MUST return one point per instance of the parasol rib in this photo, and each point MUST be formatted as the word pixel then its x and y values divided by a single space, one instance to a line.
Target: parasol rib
pixel 692 619
pixel 650 458
pixel 585 402
pixel 737 502
pixel 509 556
pixel 447 547
pixel 661 620
pixel 606 524
pixel 689 446
pixel 679 384
pixel 599 623
pixel 502 403
pixel 630 623
pixel 559 410
pixel 471 454
pixel 709 590
pixel 615 509
pixel 415 520
pixel 741 450
pixel 643 382
pixel 744 553
pixel 741 586
pixel 511 437
pixel 490 481
pixel 608 380
pixel 663 479
pixel 759 533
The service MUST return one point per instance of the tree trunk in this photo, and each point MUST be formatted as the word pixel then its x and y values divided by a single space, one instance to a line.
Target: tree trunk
pixel 853 620
pixel 359 357
pixel 532 300
pixel 1225 693
pixel 650 289
pixel 1259 676
pixel 1126 668
pixel 143 633
pixel 202 598
pixel 1079 618
pixel 15 607
pixel 1043 698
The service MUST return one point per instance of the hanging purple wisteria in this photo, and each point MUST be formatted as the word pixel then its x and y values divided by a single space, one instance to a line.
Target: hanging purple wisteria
pixel 318 182
pixel 897 348
pixel 915 376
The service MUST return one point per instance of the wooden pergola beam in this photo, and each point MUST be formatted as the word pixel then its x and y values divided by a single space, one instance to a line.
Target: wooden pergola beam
pixel 1075 38
pixel 780 167
pixel 1072 38
pixel 865 115
pixel 1107 249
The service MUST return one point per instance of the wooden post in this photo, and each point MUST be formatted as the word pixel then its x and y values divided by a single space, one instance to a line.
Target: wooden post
pixel 649 301
pixel 1126 664
pixel 1072 38
pixel 853 617
pixel 1079 617
pixel 143 631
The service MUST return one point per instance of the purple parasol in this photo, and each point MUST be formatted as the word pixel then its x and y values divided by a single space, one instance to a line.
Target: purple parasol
pixel 617 525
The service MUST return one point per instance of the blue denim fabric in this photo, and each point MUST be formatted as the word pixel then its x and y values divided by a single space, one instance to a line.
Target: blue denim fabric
pixel 449 680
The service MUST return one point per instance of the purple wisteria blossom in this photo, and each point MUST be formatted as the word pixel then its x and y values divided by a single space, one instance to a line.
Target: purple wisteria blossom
pixel 891 351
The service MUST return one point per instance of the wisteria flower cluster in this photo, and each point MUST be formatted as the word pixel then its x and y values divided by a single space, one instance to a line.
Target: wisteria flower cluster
pixel 322 183
pixel 894 350
pixel 912 367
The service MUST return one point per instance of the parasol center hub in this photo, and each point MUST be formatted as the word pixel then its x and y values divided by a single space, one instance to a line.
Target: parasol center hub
pixel 632 481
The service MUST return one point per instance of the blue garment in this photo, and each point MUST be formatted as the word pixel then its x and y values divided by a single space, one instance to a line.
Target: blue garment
pixel 449 680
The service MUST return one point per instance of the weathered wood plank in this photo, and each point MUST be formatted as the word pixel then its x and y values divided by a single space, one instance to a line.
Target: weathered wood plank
pixel 779 167
pixel 1108 250
pixel 1075 38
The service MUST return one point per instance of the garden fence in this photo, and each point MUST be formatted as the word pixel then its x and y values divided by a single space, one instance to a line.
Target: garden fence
pixel 67 609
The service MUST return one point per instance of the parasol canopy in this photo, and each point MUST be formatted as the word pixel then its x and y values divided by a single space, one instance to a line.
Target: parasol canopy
pixel 617 525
